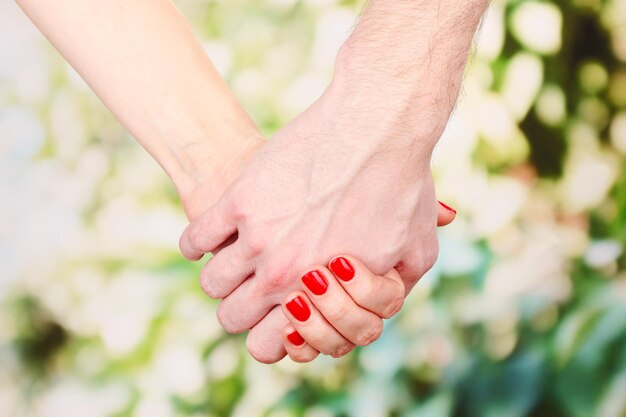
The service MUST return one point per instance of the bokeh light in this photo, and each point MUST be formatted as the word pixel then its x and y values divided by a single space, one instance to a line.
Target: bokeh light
pixel 523 315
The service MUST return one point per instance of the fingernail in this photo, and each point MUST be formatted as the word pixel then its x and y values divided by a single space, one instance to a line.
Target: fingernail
pixel 447 207
pixel 316 282
pixel 342 268
pixel 299 309
pixel 295 338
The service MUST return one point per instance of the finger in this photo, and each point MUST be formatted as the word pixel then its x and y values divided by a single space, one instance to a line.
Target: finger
pixel 232 239
pixel 381 294
pixel 297 348
pixel 245 306
pixel 413 269
pixel 357 324
pixel 445 214
pixel 264 340
pixel 419 259
pixel 208 231
pixel 249 302
pixel 225 271
pixel 310 323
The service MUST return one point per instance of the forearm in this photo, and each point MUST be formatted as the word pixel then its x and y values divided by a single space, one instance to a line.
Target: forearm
pixel 144 62
pixel 404 62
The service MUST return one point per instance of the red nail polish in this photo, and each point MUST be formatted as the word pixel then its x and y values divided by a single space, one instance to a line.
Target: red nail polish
pixel 299 309
pixel 447 207
pixel 316 282
pixel 342 268
pixel 295 338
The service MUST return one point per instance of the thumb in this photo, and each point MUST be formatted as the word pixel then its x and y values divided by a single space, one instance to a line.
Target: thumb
pixel 445 214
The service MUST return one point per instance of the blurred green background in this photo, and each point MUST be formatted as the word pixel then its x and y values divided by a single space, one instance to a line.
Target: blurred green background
pixel 523 315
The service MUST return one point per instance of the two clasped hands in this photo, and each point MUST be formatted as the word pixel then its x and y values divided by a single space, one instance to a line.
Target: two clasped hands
pixel 321 236
pixel 318 234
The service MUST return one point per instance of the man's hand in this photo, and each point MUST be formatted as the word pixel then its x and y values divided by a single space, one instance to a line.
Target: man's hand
pixel 350 175
pixel 326 184
pixel 264 340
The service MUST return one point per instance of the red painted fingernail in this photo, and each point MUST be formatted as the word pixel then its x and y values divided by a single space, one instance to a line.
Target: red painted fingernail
pixel 342 268
pixel 316 282
pixel 295 338
pixel 447 207
pixel 299 309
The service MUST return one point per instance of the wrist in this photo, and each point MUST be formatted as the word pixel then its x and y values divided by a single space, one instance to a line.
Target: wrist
pixel 410 75
pixel 388 107
pixel 207 168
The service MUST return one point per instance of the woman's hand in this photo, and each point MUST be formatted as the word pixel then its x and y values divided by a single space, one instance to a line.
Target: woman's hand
pixel 340 307
pixel 209 182
pixel 333 181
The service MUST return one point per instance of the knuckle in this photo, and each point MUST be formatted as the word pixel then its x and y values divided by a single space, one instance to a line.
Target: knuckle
pixel 422 260
pixel 320 343
pixel 260 352
pixel 223 317
pixel 238 206
pixel 209 289
pixel 370 335
pixel 367 289
pixel 337 312
pixel 430 257
pixel 302 356
pixel 275 282
pixel 381 264
pixel 394 306
pixel 195 235
pixel 255 244
pixel 209 282
pixel 272 285
pixel 342 350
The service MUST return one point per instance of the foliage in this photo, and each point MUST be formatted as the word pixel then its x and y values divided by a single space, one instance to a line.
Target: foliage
pixel 522 316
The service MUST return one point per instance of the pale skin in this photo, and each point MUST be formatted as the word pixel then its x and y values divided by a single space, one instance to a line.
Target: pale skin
pixel 346 314
pixel 151 71
pixel 350 175
pixel 143 60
